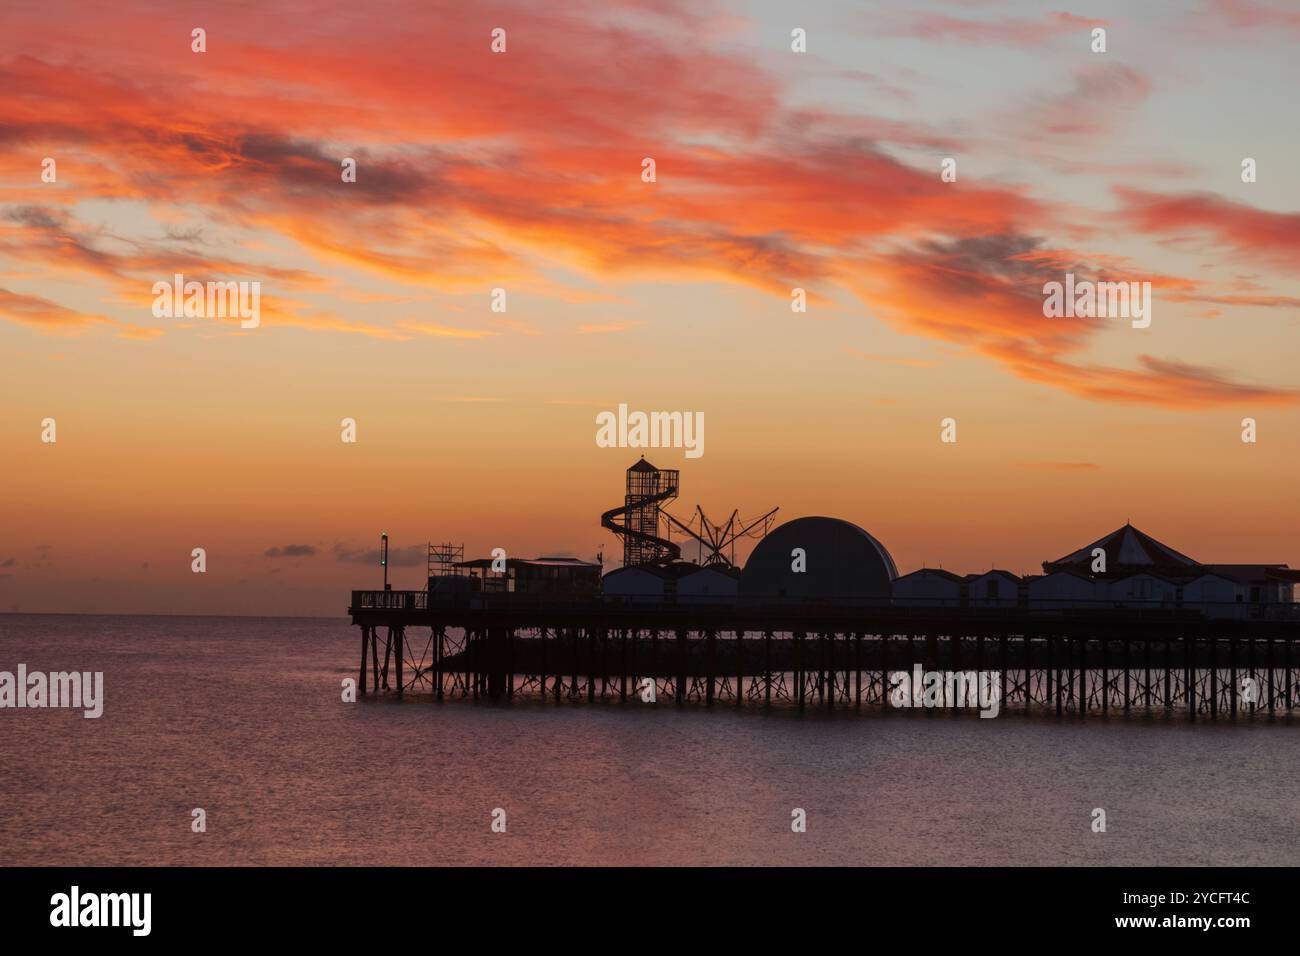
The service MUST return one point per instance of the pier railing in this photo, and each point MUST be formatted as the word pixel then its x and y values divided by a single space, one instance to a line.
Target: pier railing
pixel 390 600
pixel 412 601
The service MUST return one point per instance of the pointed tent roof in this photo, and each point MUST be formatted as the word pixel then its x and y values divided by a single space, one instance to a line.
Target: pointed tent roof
pixel 643 465
pixel 1128 548
pixel 939 572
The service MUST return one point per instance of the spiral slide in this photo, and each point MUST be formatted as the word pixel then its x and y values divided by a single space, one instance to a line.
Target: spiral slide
pixel 607 521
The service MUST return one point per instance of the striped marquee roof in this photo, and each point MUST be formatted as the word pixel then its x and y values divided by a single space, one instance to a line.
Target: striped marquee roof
pixel 1127 548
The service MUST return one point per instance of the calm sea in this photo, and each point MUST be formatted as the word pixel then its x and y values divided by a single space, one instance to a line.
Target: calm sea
pixel 242 717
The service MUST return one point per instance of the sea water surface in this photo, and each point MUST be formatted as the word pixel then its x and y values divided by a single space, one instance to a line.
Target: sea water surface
pixel 243 717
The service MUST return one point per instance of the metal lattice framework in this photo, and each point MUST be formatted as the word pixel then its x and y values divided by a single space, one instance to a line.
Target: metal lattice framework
pixel 637 520
pixel 1200 675
pixel 718 539
pixel 444 557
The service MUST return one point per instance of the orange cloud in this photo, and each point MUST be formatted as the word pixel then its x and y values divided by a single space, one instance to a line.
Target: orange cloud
pixel 1165 383
pixel 475 170
pixel 1241 228
pixel 445 331
pixel 595 328
pixel 985 294
pixel 51 317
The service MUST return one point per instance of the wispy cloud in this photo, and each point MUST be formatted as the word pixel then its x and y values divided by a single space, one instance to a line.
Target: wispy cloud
pixel 53 318
pixel 1058 465
pixel 600 328
pixel 291 551
pixel 414 555
pixel 445 331
pixel 1231 225
pixel 1004 31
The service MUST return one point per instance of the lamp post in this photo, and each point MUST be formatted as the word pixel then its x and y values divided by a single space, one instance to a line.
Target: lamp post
pixel 383 556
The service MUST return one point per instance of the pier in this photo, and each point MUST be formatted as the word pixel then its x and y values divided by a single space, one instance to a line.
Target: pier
pixel 1080 663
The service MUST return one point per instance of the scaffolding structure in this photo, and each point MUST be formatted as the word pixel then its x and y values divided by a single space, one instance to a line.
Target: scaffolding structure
pixel 443 558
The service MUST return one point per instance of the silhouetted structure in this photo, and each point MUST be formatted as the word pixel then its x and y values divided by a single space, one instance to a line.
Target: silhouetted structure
pixel 560 576
pixel 820 615
pixel 648 488
pixel 642 516
pixel 1133 661
pixel 818 560
pixel 1128 568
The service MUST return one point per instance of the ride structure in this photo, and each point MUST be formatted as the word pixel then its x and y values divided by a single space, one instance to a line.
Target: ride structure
pixel 643 518
pixel 648 488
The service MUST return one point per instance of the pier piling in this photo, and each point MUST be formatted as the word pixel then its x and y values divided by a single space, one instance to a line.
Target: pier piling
pixel 765 658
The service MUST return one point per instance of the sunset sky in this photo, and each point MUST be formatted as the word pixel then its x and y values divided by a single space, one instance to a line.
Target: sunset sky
pixel 522 171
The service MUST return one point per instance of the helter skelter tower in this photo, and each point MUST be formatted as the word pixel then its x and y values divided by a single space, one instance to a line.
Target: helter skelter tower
pixel 648 488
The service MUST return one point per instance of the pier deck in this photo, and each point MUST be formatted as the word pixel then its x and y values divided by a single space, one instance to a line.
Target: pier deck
pixel 1079 662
